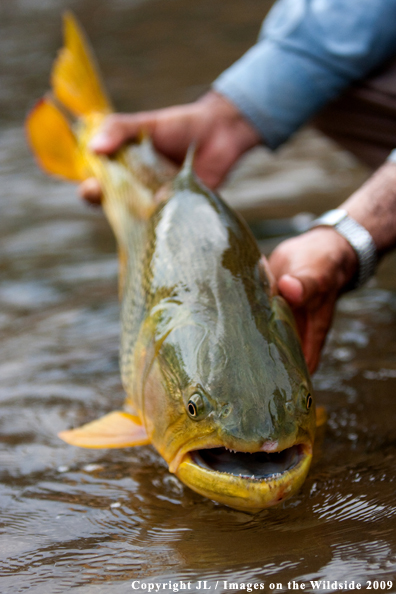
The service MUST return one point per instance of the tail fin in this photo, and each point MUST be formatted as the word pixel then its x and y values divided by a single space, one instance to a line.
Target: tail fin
pixel 75 77
pixel 53 142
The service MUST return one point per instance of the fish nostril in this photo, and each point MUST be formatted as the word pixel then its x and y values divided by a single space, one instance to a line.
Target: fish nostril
pixel 289 407
pixel 225 411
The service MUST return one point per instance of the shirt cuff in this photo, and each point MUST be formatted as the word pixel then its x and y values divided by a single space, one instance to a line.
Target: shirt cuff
pixel 392 156
pixel 278 90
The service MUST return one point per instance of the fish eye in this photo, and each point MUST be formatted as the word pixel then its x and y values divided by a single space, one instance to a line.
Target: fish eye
pixel 309 401
pixel 305 398
pixel 197 406
pixel 192 408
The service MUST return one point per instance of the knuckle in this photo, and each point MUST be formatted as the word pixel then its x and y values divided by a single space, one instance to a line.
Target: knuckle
pixel 112 120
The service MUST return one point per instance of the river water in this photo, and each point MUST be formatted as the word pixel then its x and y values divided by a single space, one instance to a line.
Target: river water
pixel 95 521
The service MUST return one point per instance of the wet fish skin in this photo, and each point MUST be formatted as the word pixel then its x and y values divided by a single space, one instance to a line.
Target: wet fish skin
pixel 201 328
pixel 213 325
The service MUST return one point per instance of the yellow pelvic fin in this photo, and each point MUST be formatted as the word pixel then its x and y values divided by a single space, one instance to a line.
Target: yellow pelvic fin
pixel 53 141
pixel 118 429
pixel 75 76
pixel 321 416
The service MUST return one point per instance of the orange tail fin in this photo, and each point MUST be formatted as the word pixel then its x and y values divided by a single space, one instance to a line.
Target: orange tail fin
pixel 53 141
pixel 75 77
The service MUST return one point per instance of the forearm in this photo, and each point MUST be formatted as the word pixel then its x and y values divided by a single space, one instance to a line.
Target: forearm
pixel 373 205
pixel 278 89
pixel 308 52
pixel 314 268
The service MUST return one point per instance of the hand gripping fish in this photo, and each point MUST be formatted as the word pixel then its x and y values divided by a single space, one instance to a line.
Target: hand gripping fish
pixel 210 358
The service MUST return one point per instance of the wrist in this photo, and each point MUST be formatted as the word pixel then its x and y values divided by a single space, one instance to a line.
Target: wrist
pixel 359 239
pixel 343 261
pixel 374 207
pixel 348 262
pixel 224 116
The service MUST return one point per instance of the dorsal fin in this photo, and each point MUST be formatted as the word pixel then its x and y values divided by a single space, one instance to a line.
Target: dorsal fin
pixel 75 76
pixel 186 174
pixel 187 168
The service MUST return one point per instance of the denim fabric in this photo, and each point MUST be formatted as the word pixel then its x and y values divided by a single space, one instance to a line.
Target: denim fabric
pixel 307 53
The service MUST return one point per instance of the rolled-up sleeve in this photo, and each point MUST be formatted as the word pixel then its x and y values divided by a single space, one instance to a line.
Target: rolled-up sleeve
pixel 308 52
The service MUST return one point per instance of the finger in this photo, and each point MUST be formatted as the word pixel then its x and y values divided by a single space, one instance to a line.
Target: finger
pixel 214 162
pixel 313 312
pixel 305 290
pixel 91 191
pixel 118 129
pixel 317 327
pixel 300 316
pixel 211 179
pixel 312 357
pixel 292 289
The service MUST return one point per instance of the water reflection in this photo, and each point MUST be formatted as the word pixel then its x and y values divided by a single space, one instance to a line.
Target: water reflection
pixel 96 520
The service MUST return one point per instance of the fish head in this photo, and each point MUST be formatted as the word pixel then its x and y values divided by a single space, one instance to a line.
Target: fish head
pixel 234 409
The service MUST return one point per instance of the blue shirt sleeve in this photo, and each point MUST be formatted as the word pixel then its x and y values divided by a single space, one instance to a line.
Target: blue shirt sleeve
pixel 307 53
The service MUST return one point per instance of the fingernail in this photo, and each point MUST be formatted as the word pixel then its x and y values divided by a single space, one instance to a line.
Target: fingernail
pixel 98 142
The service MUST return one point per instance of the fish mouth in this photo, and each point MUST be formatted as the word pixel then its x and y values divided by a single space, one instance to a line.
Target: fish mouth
pixel 243 480
pixel 256 466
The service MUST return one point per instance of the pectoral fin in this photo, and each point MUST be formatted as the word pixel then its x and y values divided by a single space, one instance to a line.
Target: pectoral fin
pixel 321 416
pixel 118 429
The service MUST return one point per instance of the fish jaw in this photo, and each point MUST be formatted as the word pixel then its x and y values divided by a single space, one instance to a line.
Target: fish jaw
pixel 245 493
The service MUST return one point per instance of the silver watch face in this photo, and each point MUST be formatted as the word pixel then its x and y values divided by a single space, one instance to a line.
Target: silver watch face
pixel 333 217
pixel 357 236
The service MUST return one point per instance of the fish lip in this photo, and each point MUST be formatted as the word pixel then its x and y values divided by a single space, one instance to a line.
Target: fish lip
pixel 183 453
pixel 221 480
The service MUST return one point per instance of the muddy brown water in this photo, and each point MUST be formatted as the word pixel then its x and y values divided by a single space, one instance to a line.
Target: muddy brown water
pixel 104 521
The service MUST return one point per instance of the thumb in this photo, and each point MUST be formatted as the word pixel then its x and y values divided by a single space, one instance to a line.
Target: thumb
pixel 297 291
pixel 118 129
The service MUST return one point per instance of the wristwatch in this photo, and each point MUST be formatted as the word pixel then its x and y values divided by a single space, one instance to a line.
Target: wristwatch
pixel 358 237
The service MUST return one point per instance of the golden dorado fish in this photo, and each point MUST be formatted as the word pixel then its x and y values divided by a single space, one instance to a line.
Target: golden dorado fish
pixel 210 358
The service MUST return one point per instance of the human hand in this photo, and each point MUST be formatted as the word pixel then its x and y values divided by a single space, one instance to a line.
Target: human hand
pixel 312 270
pixel 219 130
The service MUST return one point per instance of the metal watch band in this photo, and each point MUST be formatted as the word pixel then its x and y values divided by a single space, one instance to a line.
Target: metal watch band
pixel 358 237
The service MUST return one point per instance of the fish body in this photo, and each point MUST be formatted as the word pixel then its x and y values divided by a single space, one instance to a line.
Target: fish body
pixel 210 358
